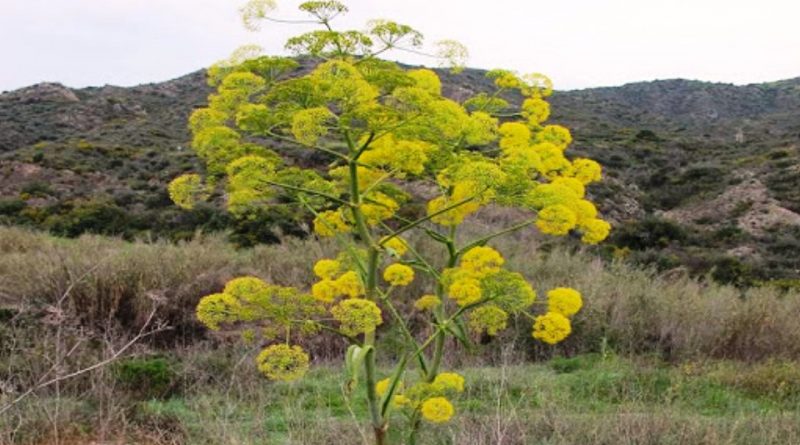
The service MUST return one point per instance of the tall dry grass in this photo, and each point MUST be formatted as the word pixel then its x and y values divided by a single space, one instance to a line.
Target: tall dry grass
pixel 628 309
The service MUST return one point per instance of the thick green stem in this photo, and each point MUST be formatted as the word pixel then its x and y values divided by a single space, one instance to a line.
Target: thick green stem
pixel 438 346
pixel 373 255
pixel 378 425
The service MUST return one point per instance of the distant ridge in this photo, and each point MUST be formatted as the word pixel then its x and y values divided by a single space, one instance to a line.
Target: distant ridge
pixel 667 145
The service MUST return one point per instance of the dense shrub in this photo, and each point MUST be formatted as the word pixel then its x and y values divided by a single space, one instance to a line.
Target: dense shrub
pixel 95 216
pixel 651 232
pixel 146 377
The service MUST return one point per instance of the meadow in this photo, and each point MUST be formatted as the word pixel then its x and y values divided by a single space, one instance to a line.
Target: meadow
pixel 655 358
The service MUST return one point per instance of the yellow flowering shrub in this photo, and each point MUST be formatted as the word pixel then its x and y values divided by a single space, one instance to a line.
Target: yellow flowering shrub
pixel 397 156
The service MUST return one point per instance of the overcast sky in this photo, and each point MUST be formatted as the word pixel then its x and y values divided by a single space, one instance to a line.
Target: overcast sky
pixel 578 43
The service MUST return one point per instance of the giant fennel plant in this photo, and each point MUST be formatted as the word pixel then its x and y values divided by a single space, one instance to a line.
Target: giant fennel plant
pixel 382 128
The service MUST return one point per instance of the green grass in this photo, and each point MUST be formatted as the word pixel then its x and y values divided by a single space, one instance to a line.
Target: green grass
pixel 637 401
pixel 586 399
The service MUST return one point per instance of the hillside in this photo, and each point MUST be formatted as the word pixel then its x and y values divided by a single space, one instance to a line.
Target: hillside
pixel 698 175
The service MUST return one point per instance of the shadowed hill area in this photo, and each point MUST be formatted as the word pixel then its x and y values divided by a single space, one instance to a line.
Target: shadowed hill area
pixel 699 176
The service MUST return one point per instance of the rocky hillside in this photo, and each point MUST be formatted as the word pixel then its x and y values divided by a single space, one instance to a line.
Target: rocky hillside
pixel 699 176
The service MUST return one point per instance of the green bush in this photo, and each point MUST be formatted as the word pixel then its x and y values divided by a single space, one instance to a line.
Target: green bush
pixel 94 216
pixel 651 232
pixel 146 377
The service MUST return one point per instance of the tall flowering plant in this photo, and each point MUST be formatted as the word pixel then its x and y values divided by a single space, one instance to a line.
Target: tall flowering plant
pixel 381 127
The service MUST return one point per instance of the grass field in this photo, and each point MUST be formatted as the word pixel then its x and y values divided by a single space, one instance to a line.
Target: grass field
pixel 588 399
pixel 654 358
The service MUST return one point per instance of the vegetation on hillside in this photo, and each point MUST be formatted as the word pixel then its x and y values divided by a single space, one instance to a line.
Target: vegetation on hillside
pixel 72 160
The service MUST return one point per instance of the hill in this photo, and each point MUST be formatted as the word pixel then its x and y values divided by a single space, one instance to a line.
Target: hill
pixel 701 176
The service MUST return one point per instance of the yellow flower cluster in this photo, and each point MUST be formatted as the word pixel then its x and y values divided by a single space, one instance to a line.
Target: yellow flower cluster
pixel 451 210
pixel 586 170
pixel 357 316
pixel 368 178
pixel 448 382
pixel 427 80
pixel 536 110
pixel 437 410
pixel 215 309
pixel 564 300
pixel 465 288
pixel 327 289
pixel 185 189
pixel 378 207
pixel 401 156
pixel 562 209
pixel 396 246
pixel 247 299
pixel 554 326
pixel 382 386
pixel 327 269
pixel 514 137
pixel 556 135
pixel 551 327
pixel 482 261
pixel 429 399
pixel 508 290
pixel 398 274
pixel 283 362
pixel 479 275
pixel 398 400
pixel 340 82
pixel 556 220
pixel 489 319
pixel 310 124
pixel 350 284
pixel 595 231
pixel 427 303
pixel 330 223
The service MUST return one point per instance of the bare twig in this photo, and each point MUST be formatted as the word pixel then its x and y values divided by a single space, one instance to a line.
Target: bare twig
pixel 143 333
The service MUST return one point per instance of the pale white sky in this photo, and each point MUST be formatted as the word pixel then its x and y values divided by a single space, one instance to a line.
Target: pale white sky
pixel 578 43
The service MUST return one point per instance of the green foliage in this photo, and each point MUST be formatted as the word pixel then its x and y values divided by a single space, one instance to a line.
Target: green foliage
pixel 9 207
pixel 649 233
pixel 96 216
pixel 146 377
pixel 730 270
pixel 566 365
